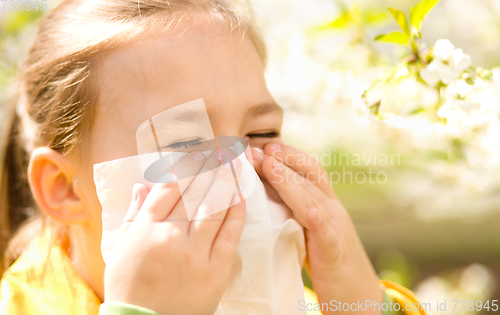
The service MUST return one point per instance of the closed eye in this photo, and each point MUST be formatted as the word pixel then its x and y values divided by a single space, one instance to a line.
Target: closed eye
pixel 184 144
pixel 263 135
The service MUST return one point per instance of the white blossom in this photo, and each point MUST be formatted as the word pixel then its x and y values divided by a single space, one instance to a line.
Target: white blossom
pixel 328 87
pixel 459 60
pixel 443 49
pixel 432 74
pixel 447 65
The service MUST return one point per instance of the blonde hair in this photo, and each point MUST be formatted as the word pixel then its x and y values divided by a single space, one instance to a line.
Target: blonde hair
pixel 57 94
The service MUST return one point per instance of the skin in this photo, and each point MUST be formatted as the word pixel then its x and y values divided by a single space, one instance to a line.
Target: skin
pixel 146 77
pixel 340 268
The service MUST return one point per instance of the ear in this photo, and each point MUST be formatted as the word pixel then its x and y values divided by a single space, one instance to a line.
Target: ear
pixel 51 176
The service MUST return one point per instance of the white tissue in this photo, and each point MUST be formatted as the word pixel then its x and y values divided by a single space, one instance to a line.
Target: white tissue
pixel 246 179
pixel 267 269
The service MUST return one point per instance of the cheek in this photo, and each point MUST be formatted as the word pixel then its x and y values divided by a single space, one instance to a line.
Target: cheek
pixel 88 195
pixel 261 142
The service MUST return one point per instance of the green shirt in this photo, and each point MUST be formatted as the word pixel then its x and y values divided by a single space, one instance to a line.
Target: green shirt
pixel 116 308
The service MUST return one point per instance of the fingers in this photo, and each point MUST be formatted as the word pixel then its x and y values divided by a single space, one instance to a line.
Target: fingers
pixel 323 236
pixel 257 159
pixel 299 194
pixel 248 155
pixel 291 175
pixel 195 189
pixel 228 236
pixel 218 199
pixel 301 163
pixel 139 194
pixel 164 196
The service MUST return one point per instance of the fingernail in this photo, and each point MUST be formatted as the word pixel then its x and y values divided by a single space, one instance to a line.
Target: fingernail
pixel 276 166
pixel 273 147
pixel 135 192
pixel 235 162
pixel 315 213
pixel 236 199
pixel 198 156
pixel 227 155
pixel 318 217
pixel 257 154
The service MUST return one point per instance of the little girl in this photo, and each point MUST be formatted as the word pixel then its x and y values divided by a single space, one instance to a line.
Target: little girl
pixel 97 70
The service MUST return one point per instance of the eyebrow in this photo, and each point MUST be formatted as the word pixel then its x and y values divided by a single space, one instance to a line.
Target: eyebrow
pixel 189 116
pixel 257 110
pixel 182 116
pixel 165 127
pixel 264 109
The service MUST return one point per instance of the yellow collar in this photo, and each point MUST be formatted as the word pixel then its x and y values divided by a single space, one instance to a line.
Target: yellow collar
pixel 43 280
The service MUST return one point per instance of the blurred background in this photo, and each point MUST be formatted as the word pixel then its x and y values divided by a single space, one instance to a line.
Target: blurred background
pixel 415 160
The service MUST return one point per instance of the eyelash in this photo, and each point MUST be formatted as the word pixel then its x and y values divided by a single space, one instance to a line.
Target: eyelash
pixel 263 135
pixel 184 144
pixel 190 143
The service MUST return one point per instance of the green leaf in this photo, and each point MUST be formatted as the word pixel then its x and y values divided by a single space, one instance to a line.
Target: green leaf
pixel 401 19
pixel 394 37
pixel 340 23
pixel 373 17
pixel 419 11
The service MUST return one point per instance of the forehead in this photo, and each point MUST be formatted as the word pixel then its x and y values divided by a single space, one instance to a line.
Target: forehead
pixel 164 70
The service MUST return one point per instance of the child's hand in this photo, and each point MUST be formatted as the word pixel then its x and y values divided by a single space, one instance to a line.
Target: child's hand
pixel 340 268
pixel 167 263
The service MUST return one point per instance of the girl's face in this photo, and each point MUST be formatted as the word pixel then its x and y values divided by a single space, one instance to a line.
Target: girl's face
pixel 148 76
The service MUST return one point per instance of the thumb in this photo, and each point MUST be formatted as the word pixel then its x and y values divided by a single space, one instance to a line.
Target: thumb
pixel 139 194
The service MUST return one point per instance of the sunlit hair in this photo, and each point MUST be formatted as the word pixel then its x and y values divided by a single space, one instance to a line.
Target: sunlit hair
pixel 57 90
